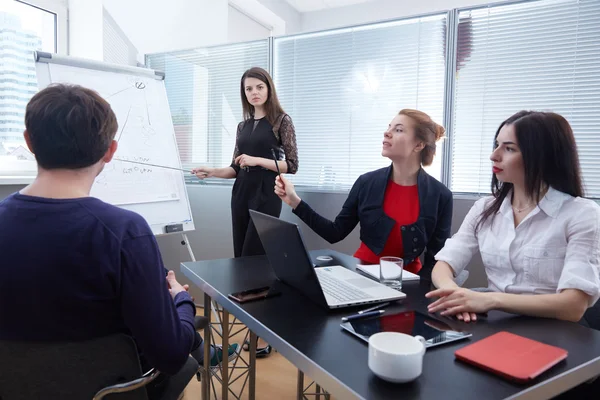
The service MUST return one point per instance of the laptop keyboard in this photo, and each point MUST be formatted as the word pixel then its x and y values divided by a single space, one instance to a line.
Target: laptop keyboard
pixel 338 289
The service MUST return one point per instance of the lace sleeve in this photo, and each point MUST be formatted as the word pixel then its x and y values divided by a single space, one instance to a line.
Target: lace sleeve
pixel 236 150
pixel 287 133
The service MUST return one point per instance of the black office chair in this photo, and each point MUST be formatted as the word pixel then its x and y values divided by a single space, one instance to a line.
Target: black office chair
pixel 91 369
pixel 591 318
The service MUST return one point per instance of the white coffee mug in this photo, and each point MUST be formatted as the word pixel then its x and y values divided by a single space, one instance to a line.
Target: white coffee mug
pixel 396 357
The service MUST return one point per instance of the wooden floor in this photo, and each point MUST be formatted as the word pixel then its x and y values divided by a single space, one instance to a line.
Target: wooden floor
pixel 276 378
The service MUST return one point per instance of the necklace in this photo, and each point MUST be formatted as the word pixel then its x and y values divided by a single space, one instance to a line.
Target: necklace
pixel 520 210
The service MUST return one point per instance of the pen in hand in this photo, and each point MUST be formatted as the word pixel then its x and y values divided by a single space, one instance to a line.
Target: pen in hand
pixel 276 163
pixel 363 315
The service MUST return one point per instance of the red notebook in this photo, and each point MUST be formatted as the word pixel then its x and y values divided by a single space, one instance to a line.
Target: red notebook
pixel 512 356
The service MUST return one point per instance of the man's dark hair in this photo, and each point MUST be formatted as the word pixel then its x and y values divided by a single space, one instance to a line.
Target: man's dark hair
pixel 69 126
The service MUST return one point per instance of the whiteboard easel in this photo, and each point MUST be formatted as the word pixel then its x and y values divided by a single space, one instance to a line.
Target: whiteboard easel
pixel 146 133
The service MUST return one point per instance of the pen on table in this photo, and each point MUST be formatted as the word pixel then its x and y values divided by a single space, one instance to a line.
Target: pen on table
pixel 374 308
pixel 363 315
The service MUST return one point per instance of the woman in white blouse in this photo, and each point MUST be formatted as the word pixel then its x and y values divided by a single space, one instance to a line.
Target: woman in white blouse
pixel 538 238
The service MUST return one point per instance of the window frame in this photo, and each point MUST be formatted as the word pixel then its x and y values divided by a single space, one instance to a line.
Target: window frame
pixel 59 9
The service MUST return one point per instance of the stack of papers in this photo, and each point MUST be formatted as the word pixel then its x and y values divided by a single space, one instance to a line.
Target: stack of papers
pixel 373 271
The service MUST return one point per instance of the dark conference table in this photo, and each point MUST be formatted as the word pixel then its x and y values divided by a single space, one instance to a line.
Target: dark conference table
pixel 310 337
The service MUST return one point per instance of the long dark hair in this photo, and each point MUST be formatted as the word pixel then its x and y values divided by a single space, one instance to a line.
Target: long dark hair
pixel 549 155
pixel 272 107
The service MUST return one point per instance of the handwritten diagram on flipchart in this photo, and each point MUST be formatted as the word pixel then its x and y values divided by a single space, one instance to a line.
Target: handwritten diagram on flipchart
pixel 145 135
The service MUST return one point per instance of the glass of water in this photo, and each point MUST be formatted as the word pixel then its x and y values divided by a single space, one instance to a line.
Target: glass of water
pixel 390 271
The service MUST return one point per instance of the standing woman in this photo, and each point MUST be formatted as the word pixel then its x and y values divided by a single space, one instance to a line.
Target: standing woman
pixel 265 127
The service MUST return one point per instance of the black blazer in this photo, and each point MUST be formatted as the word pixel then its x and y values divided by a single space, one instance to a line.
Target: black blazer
pixel 365 205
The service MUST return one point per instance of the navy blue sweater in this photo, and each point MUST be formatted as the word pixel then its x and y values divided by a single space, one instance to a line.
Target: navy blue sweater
pixel 79 269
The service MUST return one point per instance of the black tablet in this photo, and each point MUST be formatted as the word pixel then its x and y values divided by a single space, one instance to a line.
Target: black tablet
pixel 412 323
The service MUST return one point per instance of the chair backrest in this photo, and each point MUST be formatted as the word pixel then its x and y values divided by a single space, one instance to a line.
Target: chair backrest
pixel 592 316
pixel 76 370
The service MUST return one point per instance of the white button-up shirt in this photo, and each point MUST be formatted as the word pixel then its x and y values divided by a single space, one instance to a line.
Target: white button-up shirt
pixel 555 247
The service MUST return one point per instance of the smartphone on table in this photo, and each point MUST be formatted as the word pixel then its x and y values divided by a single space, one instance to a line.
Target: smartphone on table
pixel 254 294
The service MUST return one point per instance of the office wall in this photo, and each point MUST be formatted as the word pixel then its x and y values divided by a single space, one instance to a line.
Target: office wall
pixel 151 25
pixel 292 18
pixel 379 10
pixel 242 28
pixel 85 29
pixel 155 25
pixel 6 190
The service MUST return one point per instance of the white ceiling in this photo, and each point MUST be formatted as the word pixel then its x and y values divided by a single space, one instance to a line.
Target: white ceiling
pixel 315 5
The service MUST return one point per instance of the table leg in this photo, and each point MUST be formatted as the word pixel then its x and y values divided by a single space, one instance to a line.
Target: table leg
pixel 215 309
pixel 300 388
pixel 225 361
pixel 207 344
pixel 252 367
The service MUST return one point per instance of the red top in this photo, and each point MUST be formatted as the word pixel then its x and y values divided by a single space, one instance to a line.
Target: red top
pixel 401 203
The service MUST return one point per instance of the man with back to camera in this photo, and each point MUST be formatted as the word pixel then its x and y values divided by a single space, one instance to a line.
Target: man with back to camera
pixel 76 268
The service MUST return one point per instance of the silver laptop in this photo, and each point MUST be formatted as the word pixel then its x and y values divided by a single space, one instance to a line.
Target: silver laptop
pixel 331 287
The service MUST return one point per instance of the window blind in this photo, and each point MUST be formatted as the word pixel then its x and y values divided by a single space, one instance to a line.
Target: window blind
pixel 203 87
pixel 343 87
pixel 541 55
